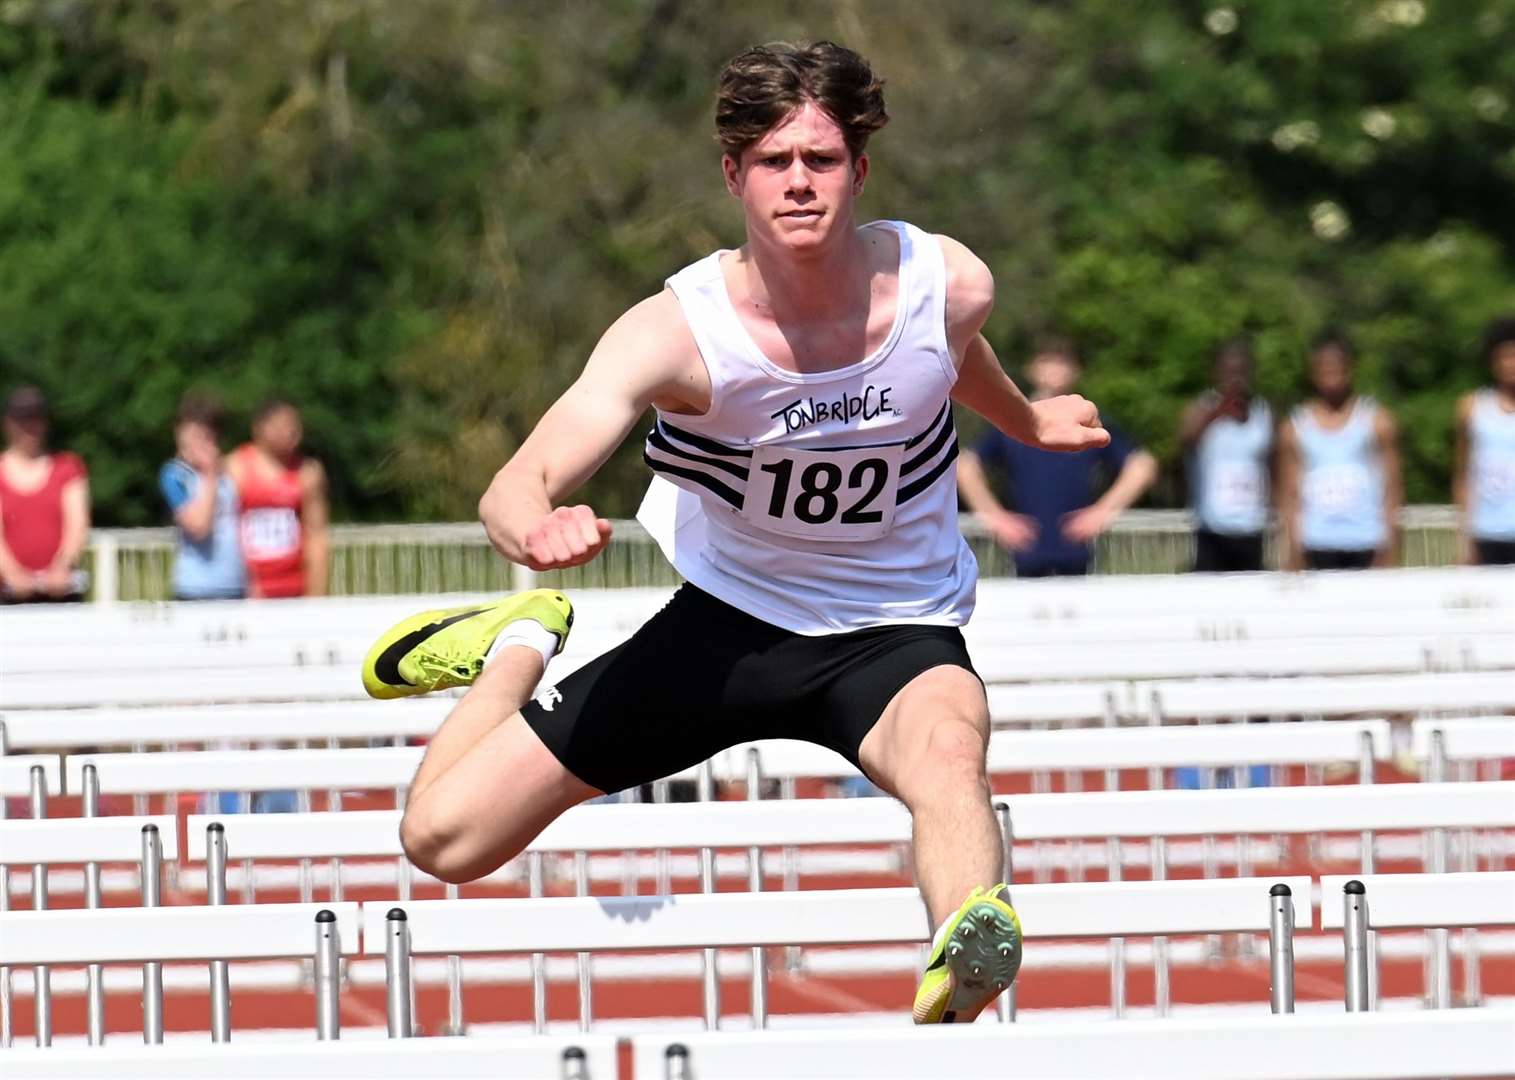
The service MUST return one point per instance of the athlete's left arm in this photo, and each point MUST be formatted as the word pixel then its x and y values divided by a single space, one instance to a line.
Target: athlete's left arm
pixel 1060 423
pixel 315 520
pixel 1387 432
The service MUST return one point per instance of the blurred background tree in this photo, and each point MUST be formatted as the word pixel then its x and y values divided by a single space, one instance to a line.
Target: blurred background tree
pixel 415 218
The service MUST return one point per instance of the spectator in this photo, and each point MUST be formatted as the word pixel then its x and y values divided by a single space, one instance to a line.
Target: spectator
pixel 284 506
pixel 1339 478
pixel 44 508
pixel 1056 516
pixel 1228 439
pixel 1484 483
pixel 203 501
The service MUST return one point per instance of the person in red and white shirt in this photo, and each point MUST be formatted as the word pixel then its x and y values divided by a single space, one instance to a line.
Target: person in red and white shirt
pixel 44 508
pixel 285 510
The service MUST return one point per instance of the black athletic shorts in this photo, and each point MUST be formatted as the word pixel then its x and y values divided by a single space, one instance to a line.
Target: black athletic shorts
pixel 1495 552
pixel 701 676
pixel 1221 552
pixel 1332 559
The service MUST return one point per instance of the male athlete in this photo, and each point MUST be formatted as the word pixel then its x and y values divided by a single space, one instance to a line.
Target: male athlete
pixel 803 449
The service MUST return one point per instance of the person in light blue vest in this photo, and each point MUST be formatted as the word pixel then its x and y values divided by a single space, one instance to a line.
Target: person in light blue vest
pixel 203 500
pixel 1227 436
pixel 1484 482
pixel 1340 487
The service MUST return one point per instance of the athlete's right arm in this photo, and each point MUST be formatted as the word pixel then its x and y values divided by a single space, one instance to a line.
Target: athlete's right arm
pixel 647 355
pixel 1461 481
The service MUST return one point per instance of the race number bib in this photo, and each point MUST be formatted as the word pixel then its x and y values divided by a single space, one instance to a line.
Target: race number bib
pixel 1237 488
pixel 823 494
pixel 270 531
pixel 1339 489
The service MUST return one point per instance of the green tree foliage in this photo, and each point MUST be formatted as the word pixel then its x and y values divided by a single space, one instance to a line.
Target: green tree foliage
pixel 416 218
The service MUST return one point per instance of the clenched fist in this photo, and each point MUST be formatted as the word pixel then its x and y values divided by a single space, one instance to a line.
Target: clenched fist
pixel 568 536
pixel 1067 423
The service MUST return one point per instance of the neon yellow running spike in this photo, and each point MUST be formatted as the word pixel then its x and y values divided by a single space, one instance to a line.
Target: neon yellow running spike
pixel 437 650
pixel 975 961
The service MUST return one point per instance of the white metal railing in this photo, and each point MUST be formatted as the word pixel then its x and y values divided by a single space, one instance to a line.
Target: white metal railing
pixel 135 564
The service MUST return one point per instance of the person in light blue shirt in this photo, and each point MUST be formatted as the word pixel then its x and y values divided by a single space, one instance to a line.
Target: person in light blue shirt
pixel 1340 487
pixel 203 500
pixel 1228 441
pixel 1484 483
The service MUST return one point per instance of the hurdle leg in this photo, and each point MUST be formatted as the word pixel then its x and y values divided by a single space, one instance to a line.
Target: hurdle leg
pixel 791 856
pixel 1365 758
pixel 538 960
pixel 455 1023
pixel 220 975
pixel 152 972
pixel 42 990
pixel 583 960
pixel 399 1012
pixel 1281 949
pixel 1355 938
pixel 95 972
pixel 328 977
pixel 755 883
pixel 1005 1005
pixel 664 869
pixel 710 970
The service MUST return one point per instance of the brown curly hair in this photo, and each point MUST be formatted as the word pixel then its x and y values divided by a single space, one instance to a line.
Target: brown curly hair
pixel 763 85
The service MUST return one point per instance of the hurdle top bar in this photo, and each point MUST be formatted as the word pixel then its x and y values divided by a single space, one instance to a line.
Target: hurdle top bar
pixel 51 841
pixel 1465 738
pixel 1424 900
pixel 821 917
pixel 1305 1046
pixel 16 773
pixel 475 1056
pixel 800 822
pixel 130 935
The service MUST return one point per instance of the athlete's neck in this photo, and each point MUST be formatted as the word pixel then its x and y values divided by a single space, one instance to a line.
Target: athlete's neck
pixel 827 282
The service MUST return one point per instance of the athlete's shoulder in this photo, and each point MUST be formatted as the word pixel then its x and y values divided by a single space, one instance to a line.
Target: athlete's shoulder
pixel 970 286
pixel 651 328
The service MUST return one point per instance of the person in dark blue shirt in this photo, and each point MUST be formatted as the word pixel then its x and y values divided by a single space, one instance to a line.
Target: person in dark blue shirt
pixel 1058 509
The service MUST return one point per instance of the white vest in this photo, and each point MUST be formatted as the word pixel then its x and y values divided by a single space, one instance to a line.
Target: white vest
pixel 819 503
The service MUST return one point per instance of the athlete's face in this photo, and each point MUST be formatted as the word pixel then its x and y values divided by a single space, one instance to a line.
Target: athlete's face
pixel 1233 376
pixel 1502 365
pixel 1331 374
pixel 1052 374
pixel 279 433
pixel 798 181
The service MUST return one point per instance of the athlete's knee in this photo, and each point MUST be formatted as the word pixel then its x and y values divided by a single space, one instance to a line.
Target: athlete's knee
pixel 440 844
pixel 952 757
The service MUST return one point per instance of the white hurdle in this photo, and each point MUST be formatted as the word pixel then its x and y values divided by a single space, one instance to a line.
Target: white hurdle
pixel 579 1058
pixel 324 932
pixel 872 916
pixel 1464 1043
pixel 1397 901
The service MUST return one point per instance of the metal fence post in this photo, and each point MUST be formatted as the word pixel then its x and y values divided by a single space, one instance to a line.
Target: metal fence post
pixel 215 893
pixel 397 973
pixel 107 567
pixel 1355 938
pixel 42 987
pixel 755 883
pixel 152 971
pixel 1281 948
pixel 328 977
pixel 1439 975
pixel 1005 1006
pixel 95 972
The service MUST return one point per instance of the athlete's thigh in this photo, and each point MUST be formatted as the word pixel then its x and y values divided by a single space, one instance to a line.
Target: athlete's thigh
pixel 887 696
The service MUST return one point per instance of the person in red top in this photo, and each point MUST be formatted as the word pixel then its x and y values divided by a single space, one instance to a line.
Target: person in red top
pixel 44 508
pixel 285 512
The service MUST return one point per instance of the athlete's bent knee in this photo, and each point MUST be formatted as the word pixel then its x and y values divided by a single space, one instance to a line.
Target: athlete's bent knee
pixel 434 847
